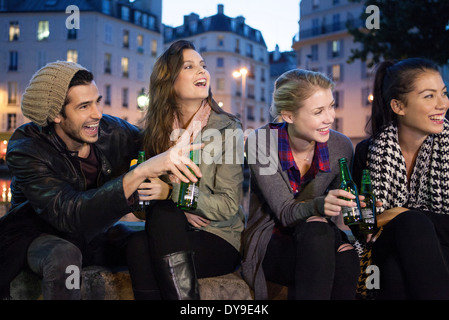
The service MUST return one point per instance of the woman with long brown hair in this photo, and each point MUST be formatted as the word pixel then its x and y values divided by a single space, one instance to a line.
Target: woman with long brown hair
pixel 182 111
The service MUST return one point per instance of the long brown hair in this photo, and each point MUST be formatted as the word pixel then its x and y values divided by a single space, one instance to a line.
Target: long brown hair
pixel 162 108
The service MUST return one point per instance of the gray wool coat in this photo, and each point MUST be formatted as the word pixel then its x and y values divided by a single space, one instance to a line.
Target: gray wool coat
pixel 272 196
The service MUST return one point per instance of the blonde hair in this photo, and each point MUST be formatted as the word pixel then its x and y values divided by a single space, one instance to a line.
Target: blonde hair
pixel 295 86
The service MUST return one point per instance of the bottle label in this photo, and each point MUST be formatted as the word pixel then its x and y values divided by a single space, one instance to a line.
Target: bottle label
pixel 350 214
pixel 367 214
pixel 191 193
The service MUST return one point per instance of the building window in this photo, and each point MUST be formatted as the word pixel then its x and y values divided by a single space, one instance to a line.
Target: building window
pixel 138 17
pixel 337 99
pixel 72 56
pixel 220 62
pixel 14 31
pixel 125 13
pixel 315 27
pixel 71 34
pixel 220 41
pixel 43 30
pixel 336 22
pixel 338 124
pixel 107 63
pixel 237 45
pixel 335 48
pixel 220 84
pixel 262 115
pixel 249 50
pixel 108 33
pixel 12 93
pixel 250 113
pixel 125 97
pixel 107 94
pixel 106 7
pixel 154 48
pixel 140 43
pixel 125 39
pixel 12 122
pixel 13 60
pixel 314 53
pixel 125 68
pixel 336 72
pixel 366 97
pixel 140 71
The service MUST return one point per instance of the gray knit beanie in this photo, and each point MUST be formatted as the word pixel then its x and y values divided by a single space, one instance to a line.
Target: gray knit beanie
pixel 45 95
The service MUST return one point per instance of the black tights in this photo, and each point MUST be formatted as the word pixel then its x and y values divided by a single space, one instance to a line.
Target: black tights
pixel 168 231
pixel 310 263
pixel 410 258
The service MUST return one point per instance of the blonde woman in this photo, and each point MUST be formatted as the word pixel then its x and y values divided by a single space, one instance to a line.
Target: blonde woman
pixel 290 238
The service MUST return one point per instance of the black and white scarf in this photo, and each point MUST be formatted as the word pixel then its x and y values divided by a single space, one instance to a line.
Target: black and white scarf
pixel 429 182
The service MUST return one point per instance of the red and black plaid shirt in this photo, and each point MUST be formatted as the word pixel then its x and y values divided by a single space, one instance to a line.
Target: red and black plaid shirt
pixel 320 160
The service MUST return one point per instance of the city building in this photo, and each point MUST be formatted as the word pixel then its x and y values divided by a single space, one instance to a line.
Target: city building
pixel 325 45
pixel 117 40
pixel 237 59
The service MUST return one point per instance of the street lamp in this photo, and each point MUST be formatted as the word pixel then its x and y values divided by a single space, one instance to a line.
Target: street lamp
pixel 237 74
pixel 142 100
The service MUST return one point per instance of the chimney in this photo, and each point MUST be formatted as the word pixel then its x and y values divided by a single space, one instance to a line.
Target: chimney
pixel 276 53
pixel 220 9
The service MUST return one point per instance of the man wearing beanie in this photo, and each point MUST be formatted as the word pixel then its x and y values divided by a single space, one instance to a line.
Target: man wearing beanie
pixel 71 183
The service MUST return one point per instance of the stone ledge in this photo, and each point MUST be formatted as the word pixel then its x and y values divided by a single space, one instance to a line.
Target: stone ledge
pixel 99 283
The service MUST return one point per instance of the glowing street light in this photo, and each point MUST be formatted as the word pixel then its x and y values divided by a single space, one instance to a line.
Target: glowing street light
pixel 143 100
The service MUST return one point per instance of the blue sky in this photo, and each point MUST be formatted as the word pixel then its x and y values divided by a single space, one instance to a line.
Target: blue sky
pixel 276 19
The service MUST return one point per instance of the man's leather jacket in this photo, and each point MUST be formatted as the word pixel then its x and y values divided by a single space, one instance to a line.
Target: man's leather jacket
pixel 48 186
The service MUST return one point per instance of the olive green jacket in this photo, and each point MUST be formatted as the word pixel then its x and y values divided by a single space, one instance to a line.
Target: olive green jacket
pixel 220 187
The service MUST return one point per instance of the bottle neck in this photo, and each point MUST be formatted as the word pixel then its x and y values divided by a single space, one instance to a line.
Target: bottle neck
pixel 344 171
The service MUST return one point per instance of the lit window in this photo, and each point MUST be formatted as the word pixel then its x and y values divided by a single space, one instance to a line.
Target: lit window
pixel 154 48
pixel 43 30
pixel 140 43
pixel 12 93
pixel 125 39
pixel 125 70
pixel 72 56
pixel 14 31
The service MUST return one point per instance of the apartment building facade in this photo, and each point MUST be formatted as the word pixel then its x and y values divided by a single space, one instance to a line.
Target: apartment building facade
pixel 118 41
pixel 228 45
pixel 325 45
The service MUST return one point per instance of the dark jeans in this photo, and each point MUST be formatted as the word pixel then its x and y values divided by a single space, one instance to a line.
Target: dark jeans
pixel 168 231
pixel 49 257
pixel 310 264
pixel 411 254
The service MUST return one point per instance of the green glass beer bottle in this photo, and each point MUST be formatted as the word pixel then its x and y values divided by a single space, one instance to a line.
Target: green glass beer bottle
pixel 369 223
pixel 351 215
pixel 140 210
pixel 188 191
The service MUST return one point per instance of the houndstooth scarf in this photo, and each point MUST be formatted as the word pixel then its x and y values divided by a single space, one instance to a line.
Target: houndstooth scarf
pixel 429 182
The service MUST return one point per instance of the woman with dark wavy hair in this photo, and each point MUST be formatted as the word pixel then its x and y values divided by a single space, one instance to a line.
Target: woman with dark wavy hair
pixel 204 242
pixel 407 155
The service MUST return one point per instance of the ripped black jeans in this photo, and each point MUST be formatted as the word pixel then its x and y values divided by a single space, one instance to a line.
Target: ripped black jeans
pixel 312 264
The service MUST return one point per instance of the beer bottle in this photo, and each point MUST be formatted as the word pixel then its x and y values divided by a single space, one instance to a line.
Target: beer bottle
pixel 369 223
pixel 351 215
pixel 188 191
pixel 140 210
